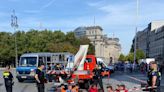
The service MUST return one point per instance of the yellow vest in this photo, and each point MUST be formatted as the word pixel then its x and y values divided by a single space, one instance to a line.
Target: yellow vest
pixel 6 74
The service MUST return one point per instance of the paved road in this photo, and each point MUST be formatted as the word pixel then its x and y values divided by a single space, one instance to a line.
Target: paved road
pixel 27 86
pixel 130 80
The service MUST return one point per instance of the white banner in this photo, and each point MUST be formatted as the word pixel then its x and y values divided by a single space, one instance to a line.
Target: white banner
pixel 80 57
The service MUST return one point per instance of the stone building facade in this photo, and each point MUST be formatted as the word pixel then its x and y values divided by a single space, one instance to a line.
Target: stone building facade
pixel 107 48
pixel 151 41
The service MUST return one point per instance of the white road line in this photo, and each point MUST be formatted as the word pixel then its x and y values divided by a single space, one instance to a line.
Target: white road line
pixel 136 79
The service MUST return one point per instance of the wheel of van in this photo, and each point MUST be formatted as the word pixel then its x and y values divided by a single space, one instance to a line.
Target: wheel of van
pixel 20 80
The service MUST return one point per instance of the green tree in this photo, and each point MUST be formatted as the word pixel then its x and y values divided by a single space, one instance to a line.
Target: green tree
pixel 39 41
pixel 122 57
pixel 130 57
pixel 140 54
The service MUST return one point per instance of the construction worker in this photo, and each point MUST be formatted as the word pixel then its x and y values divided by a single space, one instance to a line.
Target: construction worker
pixel 8 79
pixel 97 76
pixel 40 79
pixel 154 77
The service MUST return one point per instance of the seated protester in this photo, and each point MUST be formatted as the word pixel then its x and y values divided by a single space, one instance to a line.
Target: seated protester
pixel 75 88
pixel 69 88
pixel 93 88
pixel 62 88
pixel 110 89
pixel 57 67
pixel 118 88
pixel 122 88
pixel 53 66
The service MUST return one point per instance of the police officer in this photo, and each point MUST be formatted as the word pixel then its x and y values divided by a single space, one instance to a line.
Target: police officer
pixel 154 77
pixel 97 76
pixel 40 79
pixel 8 79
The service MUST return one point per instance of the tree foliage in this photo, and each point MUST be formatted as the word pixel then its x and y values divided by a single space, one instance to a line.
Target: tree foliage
pixel 130 57
pixel 39 41
pixel 122 57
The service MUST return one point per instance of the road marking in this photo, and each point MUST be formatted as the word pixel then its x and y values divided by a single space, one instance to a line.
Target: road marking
pixel 142 81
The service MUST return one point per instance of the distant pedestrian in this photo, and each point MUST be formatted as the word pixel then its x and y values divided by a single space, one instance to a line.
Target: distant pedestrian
pixel 8 79
pixel 40 79
pixel 131 68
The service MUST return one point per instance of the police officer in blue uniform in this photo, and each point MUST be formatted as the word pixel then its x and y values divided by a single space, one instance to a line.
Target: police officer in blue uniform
pixel 8 79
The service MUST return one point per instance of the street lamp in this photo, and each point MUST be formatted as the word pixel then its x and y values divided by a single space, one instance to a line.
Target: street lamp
pixel 14 25
pixel 135 39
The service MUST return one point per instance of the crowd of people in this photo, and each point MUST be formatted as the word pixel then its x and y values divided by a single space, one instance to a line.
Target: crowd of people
pixel 68 88
pixel 120 88
pixel 93 88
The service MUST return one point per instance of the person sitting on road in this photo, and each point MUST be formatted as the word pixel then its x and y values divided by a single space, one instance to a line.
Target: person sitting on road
pixel 75 88
pixel 110 89
pixel 118 88
pixel 69 88
pixel 93 88
pixel 62 88
pixel 122 88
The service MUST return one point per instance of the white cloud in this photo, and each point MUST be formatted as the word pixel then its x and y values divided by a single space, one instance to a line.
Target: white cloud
pixel 46 5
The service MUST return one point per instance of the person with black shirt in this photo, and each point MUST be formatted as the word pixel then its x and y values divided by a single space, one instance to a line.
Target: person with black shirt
pixel 8 79
pixel 154 77
pixel 97 76
pixel 40 79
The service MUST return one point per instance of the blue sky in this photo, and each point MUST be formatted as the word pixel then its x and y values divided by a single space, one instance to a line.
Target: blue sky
pixel 115 16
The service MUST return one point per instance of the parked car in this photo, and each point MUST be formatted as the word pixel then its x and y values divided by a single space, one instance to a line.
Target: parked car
pixel 106 67
pixel 111 68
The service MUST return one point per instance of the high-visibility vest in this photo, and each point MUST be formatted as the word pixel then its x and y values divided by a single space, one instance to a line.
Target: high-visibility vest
pixel 6 74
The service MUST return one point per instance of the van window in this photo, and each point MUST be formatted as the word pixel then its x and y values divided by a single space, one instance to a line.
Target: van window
pixel 48 59
pixel 88 60
pixel 41 61
pixel 28 61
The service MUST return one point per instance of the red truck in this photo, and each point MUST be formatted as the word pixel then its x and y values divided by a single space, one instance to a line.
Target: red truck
pixel 84 77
